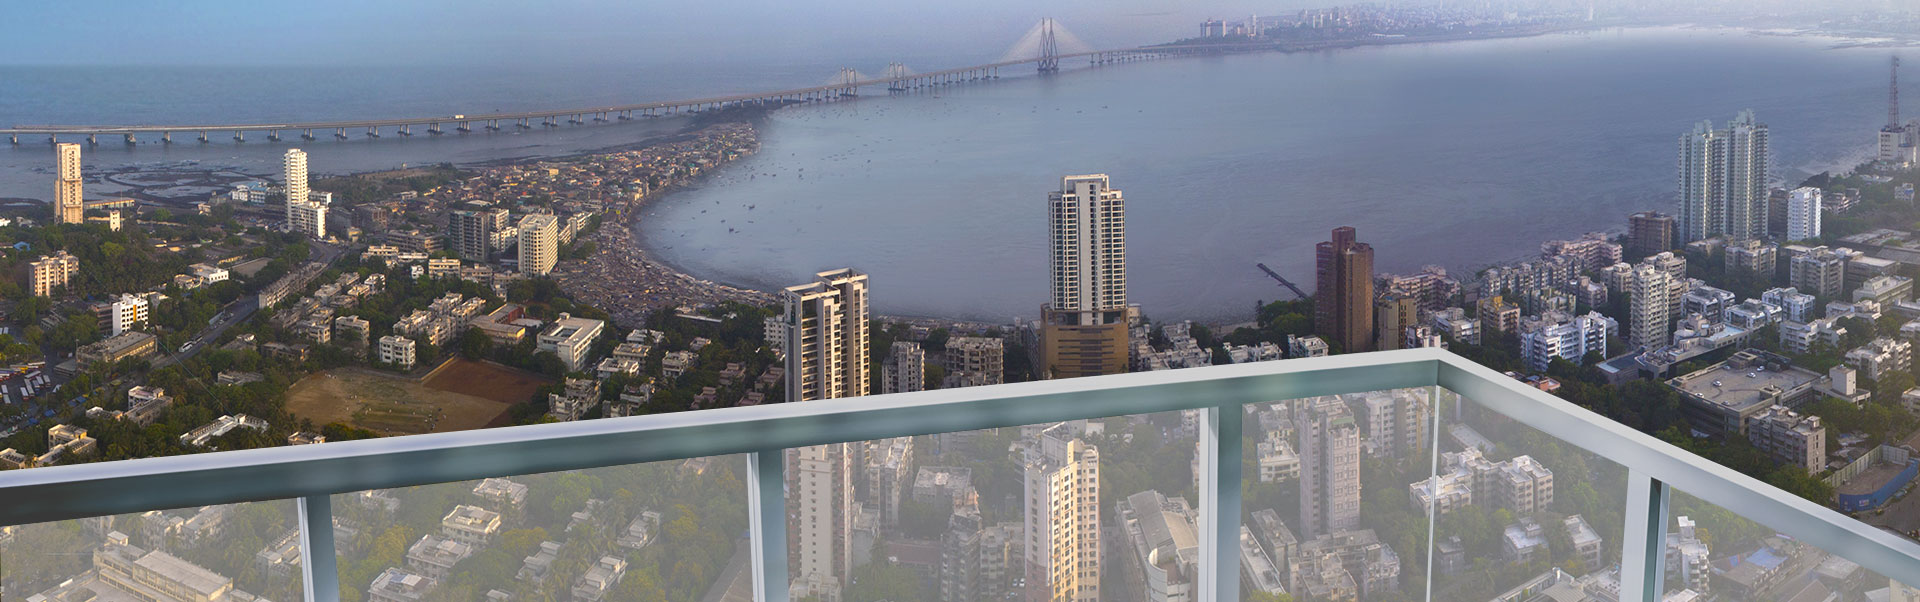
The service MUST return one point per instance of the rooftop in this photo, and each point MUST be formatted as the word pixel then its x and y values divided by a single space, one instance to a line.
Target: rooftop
pixel 1740 385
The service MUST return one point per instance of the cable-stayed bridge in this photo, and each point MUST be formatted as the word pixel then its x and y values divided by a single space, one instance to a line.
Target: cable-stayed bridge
pixel 1044 47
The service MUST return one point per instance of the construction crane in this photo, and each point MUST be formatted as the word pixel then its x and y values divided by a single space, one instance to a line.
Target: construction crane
pixel 1283 280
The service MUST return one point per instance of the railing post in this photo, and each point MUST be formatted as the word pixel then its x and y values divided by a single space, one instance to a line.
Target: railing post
pixel 1220 505
pixel 319 568
pixel 1643 549
pixel 767 522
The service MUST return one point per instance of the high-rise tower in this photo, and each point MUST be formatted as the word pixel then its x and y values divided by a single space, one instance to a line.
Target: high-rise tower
pixel 825 322
pixel 1085 321
pixel 1723 180
pixel 68 208
pixel 1343 291
pixel 1329 466
pixel 294 169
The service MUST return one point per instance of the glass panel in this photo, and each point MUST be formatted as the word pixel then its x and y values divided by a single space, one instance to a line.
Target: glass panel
pixel 659 531
pixel 1521 514
pixel 1326 512
pixel 239 552
pixel 1714 553
pixel 991 515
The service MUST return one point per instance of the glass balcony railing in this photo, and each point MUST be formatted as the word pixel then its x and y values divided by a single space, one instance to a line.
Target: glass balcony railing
pixel 1405 475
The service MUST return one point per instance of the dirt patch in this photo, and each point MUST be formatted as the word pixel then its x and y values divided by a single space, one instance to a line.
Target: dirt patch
pixel 485 380
pixel 390 405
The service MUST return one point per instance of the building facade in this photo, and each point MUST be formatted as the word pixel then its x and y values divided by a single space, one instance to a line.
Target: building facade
pixel 1084 325
pixel 539 244
pixel 1343 291
pixel 68 207
pixel 1803 213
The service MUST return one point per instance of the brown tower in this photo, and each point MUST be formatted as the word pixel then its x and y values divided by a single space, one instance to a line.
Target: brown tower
pixel 1343 291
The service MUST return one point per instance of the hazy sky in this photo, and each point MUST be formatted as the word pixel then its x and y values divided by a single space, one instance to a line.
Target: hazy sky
pixel 253 32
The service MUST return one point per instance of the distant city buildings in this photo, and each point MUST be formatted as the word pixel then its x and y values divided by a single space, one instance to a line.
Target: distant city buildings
pixel 1343 291
pixel 1084 325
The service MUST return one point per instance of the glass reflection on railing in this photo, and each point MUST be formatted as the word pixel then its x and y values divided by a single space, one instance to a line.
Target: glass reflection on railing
pixel 234 553
pixel 658 531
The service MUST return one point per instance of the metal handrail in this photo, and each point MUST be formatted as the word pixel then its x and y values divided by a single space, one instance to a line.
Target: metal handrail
pixel 312 473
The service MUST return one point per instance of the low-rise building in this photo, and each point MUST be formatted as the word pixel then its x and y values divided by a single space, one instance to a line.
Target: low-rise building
pixel 580 395
pixel 1721 399
pixel 1162 544
pixel 199 437
pixel 1521 543
pixel 397 351
pixel 131 344
pixel 395 585
pixel 570 338
pixel 1885 290
pixel 504 492
pixel 434 556
pixel 1880 357
pixel 470 524
pixel 1792 438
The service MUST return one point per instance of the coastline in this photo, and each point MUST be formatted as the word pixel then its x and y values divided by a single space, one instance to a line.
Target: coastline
pixel 1463 270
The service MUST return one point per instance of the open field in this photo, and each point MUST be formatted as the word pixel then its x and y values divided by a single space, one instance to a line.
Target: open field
pixel 486 380
pixel 395 405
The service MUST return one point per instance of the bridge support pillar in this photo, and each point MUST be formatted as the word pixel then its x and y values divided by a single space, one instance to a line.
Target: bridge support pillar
pixel 306 134
pixel 203 138
pixel 434 128
pixel 240 136
pixel 166 137
pixel 406 130
pixel 53 138
pixel 373 132
pixel 13 139
pixel 129 139
pixel 91 141
pixel 340 133
pixel 464 127
pixel 273 135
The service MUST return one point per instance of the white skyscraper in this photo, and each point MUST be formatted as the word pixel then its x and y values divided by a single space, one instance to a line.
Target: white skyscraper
pixel 1723 180
pixel 1702 156
pixel 1087 219
pixel 1084 329
pixel 304 215
pixel 295 171
pixel 825 323
pixel 1803 213
pixel 539 243
pixel 68 208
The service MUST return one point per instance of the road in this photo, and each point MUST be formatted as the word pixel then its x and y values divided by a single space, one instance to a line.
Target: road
pixel 237 312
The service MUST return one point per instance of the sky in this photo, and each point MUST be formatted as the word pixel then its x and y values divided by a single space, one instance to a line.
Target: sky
pixel 349 32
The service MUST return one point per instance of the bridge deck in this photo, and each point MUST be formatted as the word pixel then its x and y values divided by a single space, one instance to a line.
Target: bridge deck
pixel 85 130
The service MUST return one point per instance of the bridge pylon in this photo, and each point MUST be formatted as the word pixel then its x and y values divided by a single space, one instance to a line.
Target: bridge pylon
pixel 1049 48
